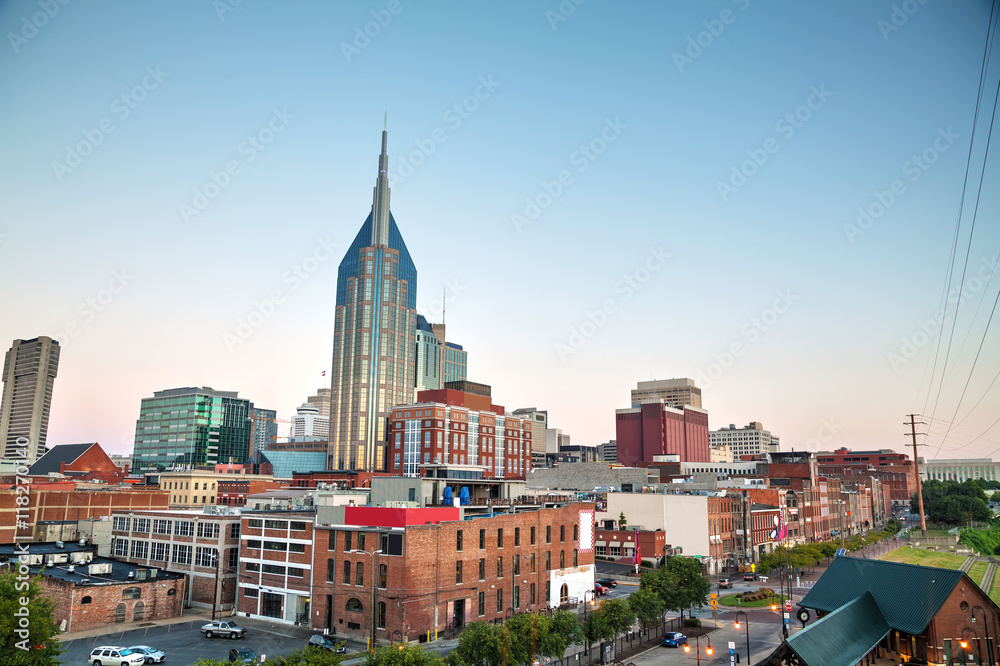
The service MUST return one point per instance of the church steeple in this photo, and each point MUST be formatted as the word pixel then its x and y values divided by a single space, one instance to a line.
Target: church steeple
pixel 380 199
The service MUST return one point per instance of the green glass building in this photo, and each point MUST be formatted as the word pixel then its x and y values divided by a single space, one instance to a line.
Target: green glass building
pixel 184 428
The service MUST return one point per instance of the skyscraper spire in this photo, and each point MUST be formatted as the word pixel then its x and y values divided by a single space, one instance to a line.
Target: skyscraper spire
pixel 380 199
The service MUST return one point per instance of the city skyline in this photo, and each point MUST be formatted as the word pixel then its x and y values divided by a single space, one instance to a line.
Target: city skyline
pixel 719 192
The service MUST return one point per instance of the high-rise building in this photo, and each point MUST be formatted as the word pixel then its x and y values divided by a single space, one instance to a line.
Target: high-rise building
pixel 609 451
pixel 29 372
pixel 184 428
pixel 374 335
pixel 322 401
pixel 673 392
pixel 655 429
pixel 265 428
pixel 456 363
pixel 539 420
pixel 428 361
pixel 308 423
pixel 750 440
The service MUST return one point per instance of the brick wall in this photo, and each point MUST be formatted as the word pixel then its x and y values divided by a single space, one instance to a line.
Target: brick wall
pixel 155 595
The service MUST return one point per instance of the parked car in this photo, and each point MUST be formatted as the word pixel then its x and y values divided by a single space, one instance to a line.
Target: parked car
pixel 674 639
pixel 608 582
pixel 762 579
pixel 244 656
pixel 230 629
pixel 153 656
pixel 109 655
pixel 316 640
pixel 725 583
pixel 600 590
pixel 750 576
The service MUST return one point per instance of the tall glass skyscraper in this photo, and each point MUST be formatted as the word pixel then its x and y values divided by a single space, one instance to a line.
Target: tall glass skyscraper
pixel 374 335
pixel 182 428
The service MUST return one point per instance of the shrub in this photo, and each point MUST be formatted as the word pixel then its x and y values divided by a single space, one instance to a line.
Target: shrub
pixel 692 622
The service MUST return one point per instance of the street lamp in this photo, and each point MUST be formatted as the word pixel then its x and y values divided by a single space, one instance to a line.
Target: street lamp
pixel 746 621
pixel 586 603
pixel 965 644
pixel 986 627
pixel 697 648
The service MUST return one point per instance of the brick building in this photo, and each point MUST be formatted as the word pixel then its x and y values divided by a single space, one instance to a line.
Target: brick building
pixel 893 469
pixel 234 492
pixel 92 592
pixel 83 462
pixel 276 565
pixel 185 542
pixel 655 429
pixel 621 544
pixel 60 501
pixel 436 572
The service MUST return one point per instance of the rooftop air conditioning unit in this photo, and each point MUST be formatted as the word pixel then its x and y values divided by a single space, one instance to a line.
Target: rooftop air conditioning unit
pixel 83 542
pixel 59 544
pixel 131 575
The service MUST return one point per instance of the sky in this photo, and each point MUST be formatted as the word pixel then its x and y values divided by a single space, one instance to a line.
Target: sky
pixel 764 197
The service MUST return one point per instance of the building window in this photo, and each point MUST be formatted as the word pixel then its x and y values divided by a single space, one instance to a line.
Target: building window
pixel 548 534
pixel 576 533
pixel 234 558
pixel 532 558
pixel 575 560
pixel 234 531
pixel 359 573
pixel 482 539
pixel 500 538
pixel 251 592
pixel 120 613
pixel 531 594
pixel 564 593
pixel 255 523
pixel 141 525
pixel 161 526
pixel 121 523
pixel 205 557
pixel 499 567
pixel 517 537
pixel 548 591
pixel 532 536
pixel 499 601
pixel 184 528
pixel 121 547
pixel 517 596
pixel 330 564
pixel 87 600
pixel 138 611
pixel 383 576
pixel 482 570
pixel 347 541
pixel 347 572
pixel 562 559
pixel 131 593
pixel 332 540
pixel 354 605
pixel 458 541
pixel 516 564
pixel 562 534
pixel 381 615
pixel 458 572
pixel 482 603
pixel 361 540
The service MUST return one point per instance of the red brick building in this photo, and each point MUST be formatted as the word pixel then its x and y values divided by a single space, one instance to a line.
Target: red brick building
pixel 276 565
pixel 93 592
pixel 65 500
pixel 654 429
pixel 83 462
pixel 186 542
pixel 436 572
pixel 234 492
pixel 621 544
pixel 893 469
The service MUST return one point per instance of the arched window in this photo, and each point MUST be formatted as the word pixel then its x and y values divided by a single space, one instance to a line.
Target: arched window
pixel 120 613
pixel 383 576
pixel 171 592
pixel 564 593
pixel 562 559
pixel 86 600
pixel 138 611
pixel 354 605
pixel 359 573
pixel 131 593
pixel 347 572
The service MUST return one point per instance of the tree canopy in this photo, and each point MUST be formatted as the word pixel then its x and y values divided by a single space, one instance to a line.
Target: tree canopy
pixel 27 631
pixel 953 503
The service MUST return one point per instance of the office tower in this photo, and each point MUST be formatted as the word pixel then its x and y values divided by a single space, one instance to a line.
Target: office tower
pixel 428 360
pixel 374 335
pixel 179 429
pixel 265 428
pixel 750 440
pixel 309 423
pixel 673 392
pixel 656 429
pixel 322 401
pixel 29 372
pixel 539 420
pixel 454 359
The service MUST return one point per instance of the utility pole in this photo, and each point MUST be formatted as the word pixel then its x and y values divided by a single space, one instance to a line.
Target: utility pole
pixel 916 473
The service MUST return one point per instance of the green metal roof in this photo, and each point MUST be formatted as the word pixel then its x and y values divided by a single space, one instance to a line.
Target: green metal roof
pixel 843 637
pixel 907 595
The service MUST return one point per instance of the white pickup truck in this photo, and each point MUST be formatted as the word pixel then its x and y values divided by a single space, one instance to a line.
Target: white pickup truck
pixel 230 629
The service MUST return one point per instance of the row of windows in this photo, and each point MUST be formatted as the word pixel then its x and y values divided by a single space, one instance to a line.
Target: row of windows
pixel 460 536
pixel 276 545
pixel 294 525
pixel 256 567
pixel 156 551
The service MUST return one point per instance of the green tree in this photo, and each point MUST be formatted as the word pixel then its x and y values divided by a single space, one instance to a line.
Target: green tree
pixel 622 521
pixel 308 656
pixel 27 631
pixel 480 644
pixel 647 605
pixel 596 628
pixel 403 655
pixel 619 615
pixel 686 575
pixel 564 631
pixel 205 661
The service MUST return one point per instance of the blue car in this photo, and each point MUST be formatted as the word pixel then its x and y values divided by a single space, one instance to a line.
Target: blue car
pixel 674 639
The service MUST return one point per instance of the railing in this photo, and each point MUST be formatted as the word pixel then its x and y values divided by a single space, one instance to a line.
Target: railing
pixel 524 500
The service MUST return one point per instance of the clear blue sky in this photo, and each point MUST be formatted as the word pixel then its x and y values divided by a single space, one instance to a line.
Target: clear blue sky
pixel 117 115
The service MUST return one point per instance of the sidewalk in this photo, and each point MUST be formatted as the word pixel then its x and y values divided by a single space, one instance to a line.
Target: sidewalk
pixel 191 615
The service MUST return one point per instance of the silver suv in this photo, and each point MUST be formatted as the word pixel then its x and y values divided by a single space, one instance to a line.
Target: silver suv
pixel 108 655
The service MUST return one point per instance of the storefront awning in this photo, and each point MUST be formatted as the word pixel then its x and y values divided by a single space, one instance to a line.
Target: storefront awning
pixel 600 543
pixel 615 544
